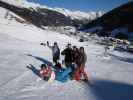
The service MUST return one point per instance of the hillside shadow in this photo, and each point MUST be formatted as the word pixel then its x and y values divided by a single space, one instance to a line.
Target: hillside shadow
pixel 42 60
pixel 34 70
pixel 111 90
pixel 129 60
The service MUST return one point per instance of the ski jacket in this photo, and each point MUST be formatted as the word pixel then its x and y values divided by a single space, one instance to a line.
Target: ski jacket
pixel 55 51
pixel 58 66
pixel 82 59
pixel 68 55
pixel 46 72
pixel 75 56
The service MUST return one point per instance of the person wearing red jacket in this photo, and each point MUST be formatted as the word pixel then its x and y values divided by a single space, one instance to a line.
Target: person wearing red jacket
pixel 45 72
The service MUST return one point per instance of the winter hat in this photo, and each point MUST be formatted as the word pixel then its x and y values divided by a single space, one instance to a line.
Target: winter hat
pixel 43 66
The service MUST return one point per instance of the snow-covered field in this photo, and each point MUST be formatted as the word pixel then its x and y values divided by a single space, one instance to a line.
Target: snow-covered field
pixel 111 76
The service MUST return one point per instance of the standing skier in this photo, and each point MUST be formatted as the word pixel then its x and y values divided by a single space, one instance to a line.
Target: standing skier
pixel 68 55
pixel 55 51
pixel 81 65
pixel 75 55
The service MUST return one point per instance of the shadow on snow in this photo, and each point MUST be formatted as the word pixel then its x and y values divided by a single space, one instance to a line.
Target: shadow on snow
pixel 42 60
pixel 129 60
pixel 111 90
pixel 34 70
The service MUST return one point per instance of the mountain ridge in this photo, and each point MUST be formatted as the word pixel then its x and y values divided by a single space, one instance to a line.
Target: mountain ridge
pixel 76 18
pixel 118 18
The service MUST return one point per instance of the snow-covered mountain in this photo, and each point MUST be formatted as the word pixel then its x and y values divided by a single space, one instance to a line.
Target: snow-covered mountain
pixel 9 26
pixel 79 14
pixel 16 2
pixel 73 14
pixel 41 17
pixel 117 22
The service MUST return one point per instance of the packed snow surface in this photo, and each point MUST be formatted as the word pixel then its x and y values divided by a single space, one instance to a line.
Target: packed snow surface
pixel 110 75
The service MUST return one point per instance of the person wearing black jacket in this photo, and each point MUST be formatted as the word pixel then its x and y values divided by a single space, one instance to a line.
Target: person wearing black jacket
pixel 68 53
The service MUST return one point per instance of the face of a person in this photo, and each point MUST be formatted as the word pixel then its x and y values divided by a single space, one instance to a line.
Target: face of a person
pixel 69 46
pixel 55 45
pixel 43 68
pixel 74 49
pixel 82 50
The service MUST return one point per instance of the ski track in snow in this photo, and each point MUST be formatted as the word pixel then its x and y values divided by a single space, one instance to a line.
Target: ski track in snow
pixel 19 83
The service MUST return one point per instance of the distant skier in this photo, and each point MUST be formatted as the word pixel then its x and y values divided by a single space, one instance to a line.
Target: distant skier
pixel 68 55
pixel 81 65
pixel 55 52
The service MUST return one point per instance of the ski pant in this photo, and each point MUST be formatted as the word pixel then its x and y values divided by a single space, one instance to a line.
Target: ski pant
pixel 68 64
pixel 55 59
pixel 79 73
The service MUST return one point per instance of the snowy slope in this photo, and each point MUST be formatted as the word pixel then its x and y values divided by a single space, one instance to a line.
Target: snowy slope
pixel 29 32
pixel 112 76
pixel 17 41
pixel 15 2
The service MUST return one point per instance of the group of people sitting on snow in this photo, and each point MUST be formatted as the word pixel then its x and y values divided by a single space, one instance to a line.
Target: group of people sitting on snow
pixel 74 61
